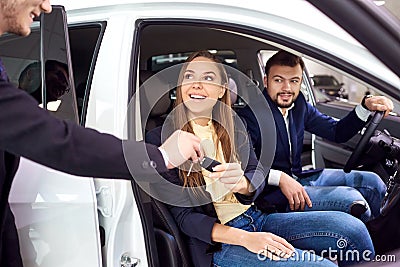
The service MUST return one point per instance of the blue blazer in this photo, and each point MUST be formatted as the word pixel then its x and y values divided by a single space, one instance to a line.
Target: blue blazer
pixel 197 221
pixel 302 117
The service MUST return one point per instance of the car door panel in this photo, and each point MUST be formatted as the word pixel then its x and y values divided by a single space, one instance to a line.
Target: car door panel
pixel 333 155
pixel 55 213
pixel 56 217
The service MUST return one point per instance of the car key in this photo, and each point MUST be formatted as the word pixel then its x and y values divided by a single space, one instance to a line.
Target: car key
pixel 190 168
pixel 208 163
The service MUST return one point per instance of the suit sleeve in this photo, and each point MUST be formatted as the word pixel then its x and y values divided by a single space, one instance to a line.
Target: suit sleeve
pixel 31 132
pixel 338 131
pixel 252 127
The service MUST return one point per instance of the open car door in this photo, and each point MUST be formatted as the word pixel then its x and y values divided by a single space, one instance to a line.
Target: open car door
pixel 55 213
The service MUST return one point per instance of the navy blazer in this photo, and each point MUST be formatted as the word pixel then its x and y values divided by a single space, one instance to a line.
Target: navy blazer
pixel 302 117
pixel 29 131
pixel 196 222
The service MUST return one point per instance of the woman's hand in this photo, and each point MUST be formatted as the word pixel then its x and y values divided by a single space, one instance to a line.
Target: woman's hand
pixel 268 244
pixel 232 176
pixel 265 244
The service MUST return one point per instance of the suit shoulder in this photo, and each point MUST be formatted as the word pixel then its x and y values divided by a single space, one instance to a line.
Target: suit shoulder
pixel 154 136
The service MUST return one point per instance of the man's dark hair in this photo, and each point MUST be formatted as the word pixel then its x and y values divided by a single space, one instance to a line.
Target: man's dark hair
pixel 283 58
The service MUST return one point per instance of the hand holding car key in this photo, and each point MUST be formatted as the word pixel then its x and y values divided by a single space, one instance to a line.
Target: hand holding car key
pixel 207 162
pixel 230 174
pixel 209 152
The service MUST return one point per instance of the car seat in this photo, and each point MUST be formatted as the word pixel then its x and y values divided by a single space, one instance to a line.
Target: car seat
pixel 171 246
pixel 170 242
pixel 155 99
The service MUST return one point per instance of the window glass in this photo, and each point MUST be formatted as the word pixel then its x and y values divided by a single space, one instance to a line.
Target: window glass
pixel 160 62
pixel 59 92
pixel 15 55
pixel 392 6
pixel 334 89
pixel 22 57
pixel 84 43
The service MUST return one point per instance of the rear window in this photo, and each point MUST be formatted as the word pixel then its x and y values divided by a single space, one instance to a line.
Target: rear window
pixel 160 62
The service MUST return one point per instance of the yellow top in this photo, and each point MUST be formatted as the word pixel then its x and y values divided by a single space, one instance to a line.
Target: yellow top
pixel 225 203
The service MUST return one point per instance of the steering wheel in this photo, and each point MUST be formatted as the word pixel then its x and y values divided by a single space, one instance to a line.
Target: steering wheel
pixel 352 161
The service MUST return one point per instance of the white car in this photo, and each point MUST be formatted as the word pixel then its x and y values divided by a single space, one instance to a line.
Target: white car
pixel 111 47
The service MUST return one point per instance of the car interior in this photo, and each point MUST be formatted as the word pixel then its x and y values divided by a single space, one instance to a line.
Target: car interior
pixel 236 50
pixel 156 70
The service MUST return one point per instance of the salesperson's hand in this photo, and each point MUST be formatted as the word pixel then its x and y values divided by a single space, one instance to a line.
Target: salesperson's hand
pixel 180 147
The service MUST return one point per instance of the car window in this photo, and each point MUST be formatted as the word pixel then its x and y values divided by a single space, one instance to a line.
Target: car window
pixel 160 62
pixel 327 80
pixel 25 69
pixel 332 86
pixel 339 87
pixel 67 88
pixel 392 6
pixel 85 41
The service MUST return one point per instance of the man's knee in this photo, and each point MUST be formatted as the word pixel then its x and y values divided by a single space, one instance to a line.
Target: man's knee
pixel 374 182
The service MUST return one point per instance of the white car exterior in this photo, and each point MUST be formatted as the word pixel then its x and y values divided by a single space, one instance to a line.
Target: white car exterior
pixel 59 215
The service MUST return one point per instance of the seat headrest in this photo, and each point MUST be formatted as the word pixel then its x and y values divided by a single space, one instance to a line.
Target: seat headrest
pixel 233 90
pixel 153 86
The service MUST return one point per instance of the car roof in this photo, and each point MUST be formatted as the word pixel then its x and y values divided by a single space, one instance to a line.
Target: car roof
pixel 287 8
pixel 295 19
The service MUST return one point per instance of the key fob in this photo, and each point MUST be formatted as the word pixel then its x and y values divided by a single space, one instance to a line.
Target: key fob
pixel 208 163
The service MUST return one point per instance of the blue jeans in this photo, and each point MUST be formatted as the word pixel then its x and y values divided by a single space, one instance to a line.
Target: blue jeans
pixel 369 184
pixel 335 198
pixel 327 233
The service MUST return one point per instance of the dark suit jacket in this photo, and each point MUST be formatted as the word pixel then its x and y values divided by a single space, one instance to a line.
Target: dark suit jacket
pixel 302 117
pixel 197 221
pixel 29 131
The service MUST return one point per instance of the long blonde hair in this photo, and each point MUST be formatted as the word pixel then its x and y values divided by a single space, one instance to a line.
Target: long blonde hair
pixel 222 119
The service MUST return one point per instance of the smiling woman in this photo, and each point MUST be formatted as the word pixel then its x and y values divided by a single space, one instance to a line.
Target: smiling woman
pixel 203 82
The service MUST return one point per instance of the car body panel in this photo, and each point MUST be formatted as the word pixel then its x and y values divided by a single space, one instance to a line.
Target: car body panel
pixel 56 217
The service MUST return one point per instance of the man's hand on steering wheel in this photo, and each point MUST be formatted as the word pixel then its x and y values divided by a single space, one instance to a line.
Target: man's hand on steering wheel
pixel 378 103
pixel 360 147
pixel 383 106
